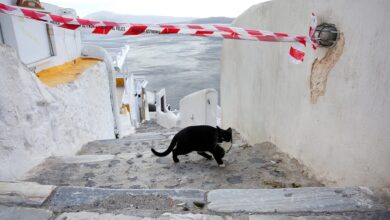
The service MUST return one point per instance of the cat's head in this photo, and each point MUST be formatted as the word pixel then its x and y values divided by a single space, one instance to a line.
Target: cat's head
pixel 224 135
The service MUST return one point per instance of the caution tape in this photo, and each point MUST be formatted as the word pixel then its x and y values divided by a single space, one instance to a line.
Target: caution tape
pixel 110 28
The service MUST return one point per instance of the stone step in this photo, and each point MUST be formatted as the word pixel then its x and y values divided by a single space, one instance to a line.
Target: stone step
pixel 134 166
pixel 70 199
pixel 82 158
pixel 165 216
pixel 22 213
pixel 24 193
pixel 197 216
pixel 253 204
pixel 293 200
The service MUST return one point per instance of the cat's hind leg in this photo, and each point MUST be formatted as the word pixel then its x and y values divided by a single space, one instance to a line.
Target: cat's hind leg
pixel 205 155
pixel 174 156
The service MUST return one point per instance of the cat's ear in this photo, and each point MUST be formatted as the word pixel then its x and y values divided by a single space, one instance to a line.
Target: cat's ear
pixel 229 129
pixel 218 127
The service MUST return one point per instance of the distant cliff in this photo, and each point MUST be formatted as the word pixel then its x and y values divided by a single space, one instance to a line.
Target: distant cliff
pixel 106 15
pixel 213 20
pixel 111 16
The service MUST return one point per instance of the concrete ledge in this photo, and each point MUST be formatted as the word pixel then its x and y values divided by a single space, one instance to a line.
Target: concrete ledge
pixel 20 213
pixel 109 216
pixel 24 193
pixel 84 198
pixel 83 158
pixel 309 199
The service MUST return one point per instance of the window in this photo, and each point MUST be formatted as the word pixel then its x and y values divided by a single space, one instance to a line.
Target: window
pixel 33 40
pixel 50 35
pixel 1 36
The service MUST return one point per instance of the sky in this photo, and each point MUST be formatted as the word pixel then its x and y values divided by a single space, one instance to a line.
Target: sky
pixel 176 8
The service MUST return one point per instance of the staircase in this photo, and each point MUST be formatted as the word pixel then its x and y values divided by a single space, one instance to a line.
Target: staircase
pixel 122 179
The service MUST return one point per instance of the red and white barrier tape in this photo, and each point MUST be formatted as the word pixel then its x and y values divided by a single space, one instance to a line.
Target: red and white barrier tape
pixel 297 51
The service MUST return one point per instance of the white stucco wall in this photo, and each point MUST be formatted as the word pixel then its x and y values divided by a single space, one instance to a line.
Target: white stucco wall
pixel 66 45
pixel 37 121
pixel 199 108
pixel 165 118
pixel 9 2
pixel 343 135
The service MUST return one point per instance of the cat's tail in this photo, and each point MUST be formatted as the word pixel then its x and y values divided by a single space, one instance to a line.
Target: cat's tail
pixel 169 150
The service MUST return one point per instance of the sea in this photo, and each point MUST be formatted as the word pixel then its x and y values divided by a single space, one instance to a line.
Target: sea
pixel 180 64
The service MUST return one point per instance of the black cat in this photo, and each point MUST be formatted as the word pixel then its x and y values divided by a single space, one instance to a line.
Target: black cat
pixel 200 138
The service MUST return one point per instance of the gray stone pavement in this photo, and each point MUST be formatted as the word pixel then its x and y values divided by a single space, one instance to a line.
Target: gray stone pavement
pixel 300 203
pixel 121 179
pixel 307 199
pixel 128 163
pixel 24 193
pixel 22 213
pixel 66 199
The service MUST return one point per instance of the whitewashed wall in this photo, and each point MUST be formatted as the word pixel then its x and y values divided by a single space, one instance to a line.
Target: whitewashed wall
pixel 335 118
pixel 164 117
pixel 199 108
pixel 37 121
pixel 9 2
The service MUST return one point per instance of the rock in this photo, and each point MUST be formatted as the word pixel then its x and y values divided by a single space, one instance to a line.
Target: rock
pixel 113 163
pixel 88 175
pixel 277 173
pixel 90 183
pixel 132 178
pixel 296 185
pixel 185 208
pixel 234 179
pixel 199 204
pixel 274 184
pixel 257 160
pixel 182 204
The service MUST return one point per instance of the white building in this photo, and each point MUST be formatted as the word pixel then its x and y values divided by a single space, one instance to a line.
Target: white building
pixel 38 121
pixel 51 45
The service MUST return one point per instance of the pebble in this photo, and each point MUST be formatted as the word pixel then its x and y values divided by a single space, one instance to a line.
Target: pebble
pixel 234 179
pixel 90 183
pixel 181 204
pixel 113 163
pixel 199 204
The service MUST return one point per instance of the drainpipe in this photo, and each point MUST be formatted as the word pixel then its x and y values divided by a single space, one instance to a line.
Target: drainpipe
pixel 100 53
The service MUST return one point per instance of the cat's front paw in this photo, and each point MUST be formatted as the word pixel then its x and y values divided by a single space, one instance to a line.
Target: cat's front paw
pixel 221 165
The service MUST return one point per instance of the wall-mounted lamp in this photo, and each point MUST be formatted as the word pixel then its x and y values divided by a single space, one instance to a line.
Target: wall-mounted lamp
pixel 326 35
